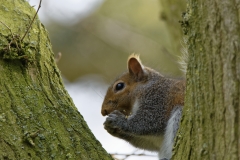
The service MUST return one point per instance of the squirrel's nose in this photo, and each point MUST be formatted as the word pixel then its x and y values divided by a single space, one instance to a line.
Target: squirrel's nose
pixel 104 112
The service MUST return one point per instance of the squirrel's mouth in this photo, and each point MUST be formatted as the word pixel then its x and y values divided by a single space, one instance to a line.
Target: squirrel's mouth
pixel 104 112
pixel 106 109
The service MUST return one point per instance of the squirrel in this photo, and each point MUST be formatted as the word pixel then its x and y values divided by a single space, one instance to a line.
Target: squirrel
pixel 144 108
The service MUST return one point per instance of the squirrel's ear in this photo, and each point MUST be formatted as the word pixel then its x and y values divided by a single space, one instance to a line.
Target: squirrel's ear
pixel 135 66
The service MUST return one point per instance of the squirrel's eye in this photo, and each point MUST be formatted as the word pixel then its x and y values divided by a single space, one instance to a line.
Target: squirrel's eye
pixel 119 86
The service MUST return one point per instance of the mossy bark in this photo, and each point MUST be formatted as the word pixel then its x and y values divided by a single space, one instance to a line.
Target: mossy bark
pixel 210 127
pixel 38 119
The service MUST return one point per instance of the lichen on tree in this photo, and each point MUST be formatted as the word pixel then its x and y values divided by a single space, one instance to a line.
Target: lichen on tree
pixel 38 119
pixel 210 122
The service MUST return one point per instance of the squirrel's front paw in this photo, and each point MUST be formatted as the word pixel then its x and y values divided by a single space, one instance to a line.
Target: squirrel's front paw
pixel 115 123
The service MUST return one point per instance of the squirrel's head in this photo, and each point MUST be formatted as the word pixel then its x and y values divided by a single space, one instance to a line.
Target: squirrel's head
pixel 119 94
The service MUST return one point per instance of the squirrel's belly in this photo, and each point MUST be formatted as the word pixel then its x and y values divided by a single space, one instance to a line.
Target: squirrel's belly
pixel 148 142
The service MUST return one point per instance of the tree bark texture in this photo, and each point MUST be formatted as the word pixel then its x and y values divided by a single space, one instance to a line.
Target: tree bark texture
pixel 38 119
pixel 210 127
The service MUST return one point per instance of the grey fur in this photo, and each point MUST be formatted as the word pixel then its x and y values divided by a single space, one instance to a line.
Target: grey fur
pixel 147 126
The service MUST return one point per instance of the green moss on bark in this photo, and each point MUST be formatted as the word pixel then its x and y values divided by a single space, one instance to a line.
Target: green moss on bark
pixel 38 119
pixel 210 124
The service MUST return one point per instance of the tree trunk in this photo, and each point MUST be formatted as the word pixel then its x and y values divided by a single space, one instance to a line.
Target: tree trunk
pixel 210 127
pixel 38 119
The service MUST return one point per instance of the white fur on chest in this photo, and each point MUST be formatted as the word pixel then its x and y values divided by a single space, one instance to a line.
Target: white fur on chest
pixel 135 107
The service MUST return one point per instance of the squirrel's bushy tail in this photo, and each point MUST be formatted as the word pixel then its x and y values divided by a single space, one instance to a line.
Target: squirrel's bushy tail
pixel 184 56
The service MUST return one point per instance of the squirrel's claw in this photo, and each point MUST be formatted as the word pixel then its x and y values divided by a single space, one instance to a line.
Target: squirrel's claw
pixel 113 122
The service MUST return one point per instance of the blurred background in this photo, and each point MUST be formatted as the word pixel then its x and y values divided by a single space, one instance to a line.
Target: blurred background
pixel 95 38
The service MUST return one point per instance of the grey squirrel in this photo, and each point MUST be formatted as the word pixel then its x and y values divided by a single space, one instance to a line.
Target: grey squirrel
pixel 144 108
